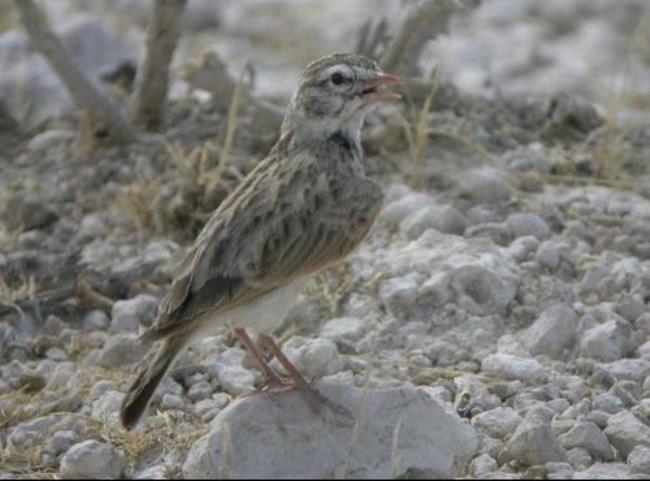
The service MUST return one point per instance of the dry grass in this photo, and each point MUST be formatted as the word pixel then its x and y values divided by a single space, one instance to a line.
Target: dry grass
pixel 137 200
pixel 611 154
pixel 10 294
pixel 416 131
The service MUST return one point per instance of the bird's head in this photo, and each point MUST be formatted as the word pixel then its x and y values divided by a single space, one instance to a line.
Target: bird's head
pixel 336 92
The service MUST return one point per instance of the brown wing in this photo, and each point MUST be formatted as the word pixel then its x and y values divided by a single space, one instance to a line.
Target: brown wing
pixel 267 234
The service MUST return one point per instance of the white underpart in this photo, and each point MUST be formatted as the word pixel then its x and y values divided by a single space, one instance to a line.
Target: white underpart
pixel 261 316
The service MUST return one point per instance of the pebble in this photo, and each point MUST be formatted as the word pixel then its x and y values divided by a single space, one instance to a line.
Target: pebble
pixel 639 460
pixel 513 367
pixel 607 342
pixel 128 315
pixel 95 321
pixel 552 333
pixel 121 350
pixel 446 219
pixel 92 459
pixel 344 328
pixel 498 423
pixel 171 401
pixel 523 247
pixel 527 224
pixel 199 391
pixel 482 464
pixel 533 442
pixel 484 185
pixel 313 357
pixel 587 435
pixel 625 431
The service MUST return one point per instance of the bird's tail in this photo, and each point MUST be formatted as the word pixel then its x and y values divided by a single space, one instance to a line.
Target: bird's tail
pixel 147 380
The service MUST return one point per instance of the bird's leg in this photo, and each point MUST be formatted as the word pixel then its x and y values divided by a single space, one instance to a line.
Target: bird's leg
pixel 316 400
pixel 271 379
pixel 293 373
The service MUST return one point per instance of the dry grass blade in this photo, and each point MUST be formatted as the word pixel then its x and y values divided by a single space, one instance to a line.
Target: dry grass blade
pixel 610 154
pixel 231 121
pixel 137 199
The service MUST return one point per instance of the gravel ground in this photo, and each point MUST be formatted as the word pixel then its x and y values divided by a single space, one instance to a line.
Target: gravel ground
pixel 494 324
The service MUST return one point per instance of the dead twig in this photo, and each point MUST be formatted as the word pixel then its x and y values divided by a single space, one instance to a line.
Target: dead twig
pixel 150 93
pixel 424 21
pixel 104 122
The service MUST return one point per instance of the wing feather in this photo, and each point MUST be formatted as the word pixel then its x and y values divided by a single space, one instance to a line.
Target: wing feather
pixel 287 230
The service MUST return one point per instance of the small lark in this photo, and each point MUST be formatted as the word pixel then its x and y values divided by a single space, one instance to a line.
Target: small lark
pixel 303 208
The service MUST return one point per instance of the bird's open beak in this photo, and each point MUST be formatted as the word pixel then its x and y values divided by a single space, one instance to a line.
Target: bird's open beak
pixel 374 89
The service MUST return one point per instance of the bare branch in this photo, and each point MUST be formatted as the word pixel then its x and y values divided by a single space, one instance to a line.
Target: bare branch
pixel 424 21
pixel 152 79
pixel 211 74
pixel 104 121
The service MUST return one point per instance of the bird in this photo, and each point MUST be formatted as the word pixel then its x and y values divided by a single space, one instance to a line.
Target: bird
pixel 303 208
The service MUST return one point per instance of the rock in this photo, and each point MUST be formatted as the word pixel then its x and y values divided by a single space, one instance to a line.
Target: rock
pixel 60 442
pixel 498 423
pixel 587 435
pixel 92 459
pixel 639 460
pixel 171 401
pixel 344 328
pixel 524 224
pixel 625 432
pixel 606 471
pixel 533 441
pixel 558 470
pixel 394 212
pixel 313 357
pixel 23 213
pixel 199 391
pixel 26 433
pixel 403 432
pixel 484 185
pixel 100 387
pixel 227 369
pixel 474 274
pixel 643 323
pixel 121 350
pixel 482 465
pixel 608 402
pixel 599 418
pixel 129 315
pixel 107 406
pixel 579 458
pixel 548 255
pixel 398 294
pixel 609 341
pixel 532 157
pixel 446 219
pixel 95 320
pixel 522 247
pixel 159 471
pixel 513 367
pixel 49 139
pixel 631 307
pixel 552 333
pixel 632 369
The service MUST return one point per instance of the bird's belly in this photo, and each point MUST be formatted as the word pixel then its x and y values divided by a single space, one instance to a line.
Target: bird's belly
pixel 262 315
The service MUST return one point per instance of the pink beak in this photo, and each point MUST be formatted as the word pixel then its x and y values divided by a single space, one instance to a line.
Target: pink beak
pixel 372 92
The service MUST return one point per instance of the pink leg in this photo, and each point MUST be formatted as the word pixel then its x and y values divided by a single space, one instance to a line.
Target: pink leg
pixel 270 377
pixel 316 399
pixel 293 373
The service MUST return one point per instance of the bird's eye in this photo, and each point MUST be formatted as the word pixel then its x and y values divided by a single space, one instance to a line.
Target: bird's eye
pixel 337 78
